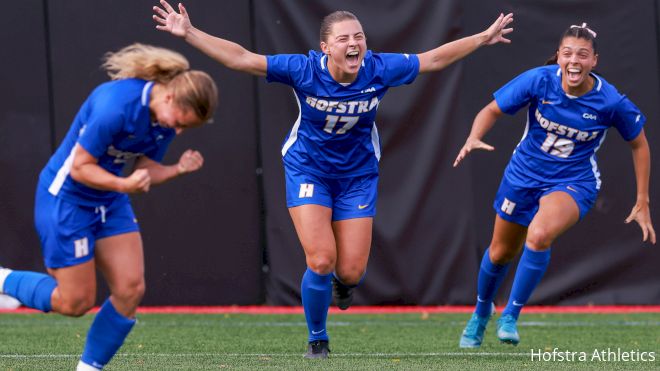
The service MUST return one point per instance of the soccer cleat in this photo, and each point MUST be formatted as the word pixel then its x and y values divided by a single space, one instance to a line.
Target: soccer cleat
pixel 343 294
pixel 82 366
pixel 317 349
pixel 473 334
pixel 507 330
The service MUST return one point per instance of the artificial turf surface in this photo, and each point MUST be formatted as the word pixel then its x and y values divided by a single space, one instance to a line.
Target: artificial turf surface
pixel 412 341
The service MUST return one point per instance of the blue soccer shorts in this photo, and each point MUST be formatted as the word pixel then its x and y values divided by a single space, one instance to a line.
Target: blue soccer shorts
pixel 353 197
pixel 520 204
pixel 68 231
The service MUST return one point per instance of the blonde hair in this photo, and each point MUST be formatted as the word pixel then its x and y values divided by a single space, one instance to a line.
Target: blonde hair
pixel 192 89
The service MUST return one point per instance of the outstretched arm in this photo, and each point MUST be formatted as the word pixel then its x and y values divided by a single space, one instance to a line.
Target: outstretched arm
pixel 228 53
pixel 188 162
pixel 483 122
pixel 446 54
pixel 641 212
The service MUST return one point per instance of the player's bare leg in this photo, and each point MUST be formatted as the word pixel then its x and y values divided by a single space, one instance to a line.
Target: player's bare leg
pixel 353 238
pixel 557 212
pixel 313 225
pixel 75 293
pixel 121 261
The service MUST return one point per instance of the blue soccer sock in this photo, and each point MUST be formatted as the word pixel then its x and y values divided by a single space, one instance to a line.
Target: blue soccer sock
pixel 530 270
pixel 105 336
pixel 490 278
pixel 316 292
pixel 32 289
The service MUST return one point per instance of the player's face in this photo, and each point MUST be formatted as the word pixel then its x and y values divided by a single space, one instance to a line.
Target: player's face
pixel 577 58
pixel 170 115
pixel 345 47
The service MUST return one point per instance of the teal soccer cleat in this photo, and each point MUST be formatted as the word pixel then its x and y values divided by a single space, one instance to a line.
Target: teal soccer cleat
pixel 473 334
pixel 507 331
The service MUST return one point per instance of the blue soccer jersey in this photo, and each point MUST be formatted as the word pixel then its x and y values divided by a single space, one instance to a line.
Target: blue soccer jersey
pixel 563 132
pixel 114 125
pixel 335 134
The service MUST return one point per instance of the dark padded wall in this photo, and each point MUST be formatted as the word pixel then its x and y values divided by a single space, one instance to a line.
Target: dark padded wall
pixel 203 233
pixel 200 232
pixel 24 129
pixel 434 222
pixel 421 219
pixel 600 260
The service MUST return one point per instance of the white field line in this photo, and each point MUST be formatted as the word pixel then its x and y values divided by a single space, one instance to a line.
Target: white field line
pixel 276 355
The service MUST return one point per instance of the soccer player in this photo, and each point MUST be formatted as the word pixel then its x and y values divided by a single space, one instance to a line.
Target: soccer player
pixel 552 179
pixel 331 154
pixel 82 211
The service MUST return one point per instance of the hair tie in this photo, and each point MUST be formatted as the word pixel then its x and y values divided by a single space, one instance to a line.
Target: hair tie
pixel 584 26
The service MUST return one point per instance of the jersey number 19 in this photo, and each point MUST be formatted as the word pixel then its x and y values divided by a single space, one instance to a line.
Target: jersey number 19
pixel 560 147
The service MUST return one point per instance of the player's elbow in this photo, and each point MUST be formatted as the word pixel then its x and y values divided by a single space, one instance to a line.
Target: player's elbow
pixel 77 173
pixel 249 62
pixel 80 174
pixel 239 62
pixel 493 109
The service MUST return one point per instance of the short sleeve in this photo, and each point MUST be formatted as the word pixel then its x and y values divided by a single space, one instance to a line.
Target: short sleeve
pixel 102 125
pixel 518 92
pixel 398 69
pixel 628 119
pixel 286 68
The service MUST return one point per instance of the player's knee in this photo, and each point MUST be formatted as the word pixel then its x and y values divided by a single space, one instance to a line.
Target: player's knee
pixel 130 293
pixel 538 239
pixel 321 264
pixel 77 306
pixel 350 275
pixel 501 253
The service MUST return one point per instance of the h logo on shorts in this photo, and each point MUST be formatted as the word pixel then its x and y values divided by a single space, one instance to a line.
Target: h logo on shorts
pixel 508 206
pixel 81 247
pixel 306 190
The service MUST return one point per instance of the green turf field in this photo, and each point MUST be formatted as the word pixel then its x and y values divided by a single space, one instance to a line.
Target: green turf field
pixel 358 341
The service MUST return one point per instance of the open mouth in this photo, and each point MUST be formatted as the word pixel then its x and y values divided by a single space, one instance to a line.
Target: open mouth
pixel 353 57
pixel 574 74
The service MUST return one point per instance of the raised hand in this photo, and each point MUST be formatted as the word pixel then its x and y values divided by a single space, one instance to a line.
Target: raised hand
pixel 495 33
pixel 471 144
pixel 189 161
pixel 178 24
pixel 139 181
pixel 642 215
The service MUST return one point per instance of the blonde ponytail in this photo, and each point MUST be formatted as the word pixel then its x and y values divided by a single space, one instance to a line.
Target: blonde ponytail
pixel 144 62
pixel 194 90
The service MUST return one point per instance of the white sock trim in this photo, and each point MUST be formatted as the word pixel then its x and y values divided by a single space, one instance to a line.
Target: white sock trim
pixel 4 272
pixel 82 366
